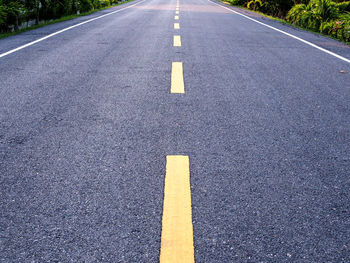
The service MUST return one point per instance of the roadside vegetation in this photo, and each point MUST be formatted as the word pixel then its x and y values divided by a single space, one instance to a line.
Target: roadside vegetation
pixel 17 15
pixel 324 16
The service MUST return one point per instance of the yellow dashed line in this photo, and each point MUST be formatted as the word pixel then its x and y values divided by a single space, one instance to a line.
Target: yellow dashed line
pixel 177 41
pixel 176 17
pixel 177 12
pixel 177 79
pixel 177 229
pixel 176 26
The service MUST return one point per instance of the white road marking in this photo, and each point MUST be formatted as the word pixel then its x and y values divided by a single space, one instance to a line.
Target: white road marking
pixel 65 29
pixel 288 34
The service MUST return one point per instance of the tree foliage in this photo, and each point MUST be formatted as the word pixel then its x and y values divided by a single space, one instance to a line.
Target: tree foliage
pixel 15 12
pixel 323 16
pixel 330 17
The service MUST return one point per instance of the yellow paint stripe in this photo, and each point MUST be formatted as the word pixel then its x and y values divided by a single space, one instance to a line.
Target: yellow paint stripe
pixel 177 9
pixel 177 41
pixel 177 79
pixel 177 229
pixel 176 17
pixel 177 12
pixel 176 26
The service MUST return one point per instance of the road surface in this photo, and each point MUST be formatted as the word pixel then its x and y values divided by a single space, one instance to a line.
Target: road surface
pixel 95 117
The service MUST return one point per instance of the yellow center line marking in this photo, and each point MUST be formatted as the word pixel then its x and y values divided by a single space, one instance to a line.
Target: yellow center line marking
pixel 177 229
pixel 177 78
pixel 177 8
pixel 177 41
pixel 177 12
pixel 176 17
pixel 176 26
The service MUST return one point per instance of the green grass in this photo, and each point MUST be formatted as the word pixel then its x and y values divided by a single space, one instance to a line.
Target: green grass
pixel 64 18
pixel 286 22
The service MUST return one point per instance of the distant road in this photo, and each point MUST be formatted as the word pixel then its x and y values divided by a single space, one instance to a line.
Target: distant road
pixel 174 131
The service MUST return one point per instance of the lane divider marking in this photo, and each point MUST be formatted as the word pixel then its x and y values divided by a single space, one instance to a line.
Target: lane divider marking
pixel 176 26
pixel 288 34
pixel 65 29
pixel 177 12
pixel 177 41
pixel 177 79
pixel 177 229
pixel 176 17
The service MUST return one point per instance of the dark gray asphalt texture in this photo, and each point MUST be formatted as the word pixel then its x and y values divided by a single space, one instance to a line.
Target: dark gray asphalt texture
pixel 86 122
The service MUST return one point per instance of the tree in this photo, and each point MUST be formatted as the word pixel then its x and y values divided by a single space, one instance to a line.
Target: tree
pixel 254 2
pixel 3 15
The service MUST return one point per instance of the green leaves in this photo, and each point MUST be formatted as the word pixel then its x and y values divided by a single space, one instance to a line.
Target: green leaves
pixel 343 7
pixel 325 9
pixel 253 4
pixel 323 16
pixel 3 15
pixel 14 12
pixel 11 13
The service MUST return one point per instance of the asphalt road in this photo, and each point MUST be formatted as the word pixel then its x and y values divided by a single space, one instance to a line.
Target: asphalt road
pixel 87 120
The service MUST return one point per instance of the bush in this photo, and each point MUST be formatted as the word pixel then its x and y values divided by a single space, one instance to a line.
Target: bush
pixel 323 16
pixel 85 6
pixel 312 16
pixel 3 15
pixel 253 4
pixel 346 31
pixel 343 7
pixel 238 2
pixel 14 12
pixel 104 3
pixel 300 15
pixel 279 8
pixel 325 9
pixel 327 27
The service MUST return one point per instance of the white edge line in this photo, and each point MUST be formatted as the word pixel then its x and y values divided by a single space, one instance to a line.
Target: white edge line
pixel 290 35
pixel 65 29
